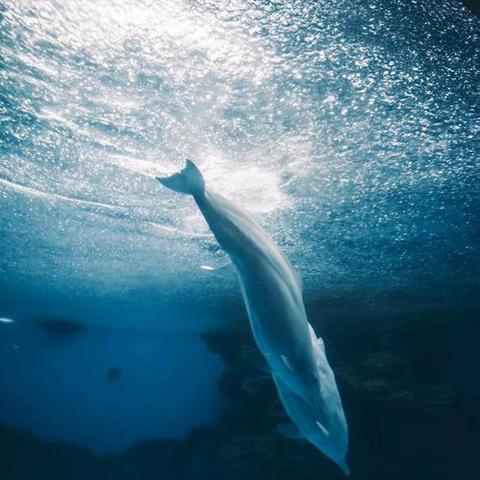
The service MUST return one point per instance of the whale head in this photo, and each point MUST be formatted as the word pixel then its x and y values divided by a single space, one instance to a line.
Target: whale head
pixel 319 417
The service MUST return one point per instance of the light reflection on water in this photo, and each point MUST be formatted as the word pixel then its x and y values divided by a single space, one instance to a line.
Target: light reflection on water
pixel 348 128
pixel 326 121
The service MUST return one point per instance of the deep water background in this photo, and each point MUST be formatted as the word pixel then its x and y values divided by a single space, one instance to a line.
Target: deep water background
pixel 348 129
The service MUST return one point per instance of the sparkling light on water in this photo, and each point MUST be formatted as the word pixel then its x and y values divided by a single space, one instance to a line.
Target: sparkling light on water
pixel 349 129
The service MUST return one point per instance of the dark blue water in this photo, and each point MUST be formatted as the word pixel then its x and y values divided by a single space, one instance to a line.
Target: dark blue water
pixel 349 130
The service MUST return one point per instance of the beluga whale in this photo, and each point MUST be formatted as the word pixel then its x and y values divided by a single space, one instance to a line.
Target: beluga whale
pixel 272 294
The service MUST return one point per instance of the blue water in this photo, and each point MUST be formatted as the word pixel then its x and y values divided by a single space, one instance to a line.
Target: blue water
pixel 349 130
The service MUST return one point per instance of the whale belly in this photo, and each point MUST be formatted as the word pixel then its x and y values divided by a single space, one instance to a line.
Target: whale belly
pixel 277 317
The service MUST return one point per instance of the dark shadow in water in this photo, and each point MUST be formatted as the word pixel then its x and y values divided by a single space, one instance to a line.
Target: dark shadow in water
pixel 114 374
pixel 61 326
pixel 408 416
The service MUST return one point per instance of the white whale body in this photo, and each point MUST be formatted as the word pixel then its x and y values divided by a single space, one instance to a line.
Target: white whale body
pixel 324 427
pixel 273 298
pixel 269 284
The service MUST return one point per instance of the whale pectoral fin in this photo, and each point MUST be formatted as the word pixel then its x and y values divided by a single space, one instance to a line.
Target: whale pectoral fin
pixel 255 359
pixel 289 430
pixel 287 362
pixel 321 344
pixel 316 341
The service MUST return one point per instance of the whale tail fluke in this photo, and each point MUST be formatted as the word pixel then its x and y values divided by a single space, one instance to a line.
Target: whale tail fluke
pixel 189 180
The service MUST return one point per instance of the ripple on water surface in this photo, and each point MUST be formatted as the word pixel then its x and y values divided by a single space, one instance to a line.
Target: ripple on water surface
pixel 349 130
